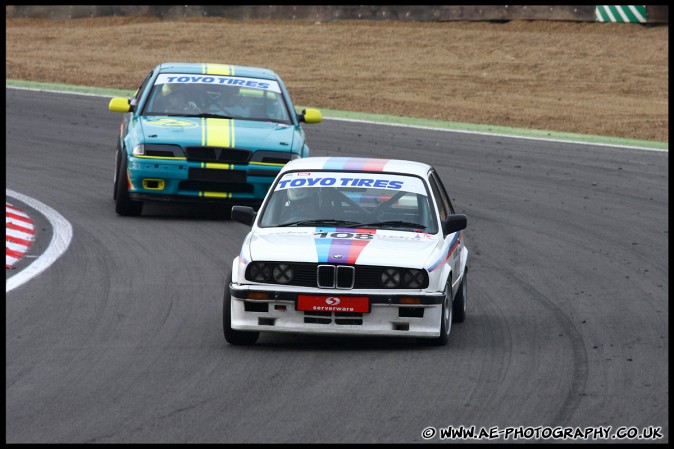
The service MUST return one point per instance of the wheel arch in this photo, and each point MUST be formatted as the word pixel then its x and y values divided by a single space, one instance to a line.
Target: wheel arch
pixel 446 275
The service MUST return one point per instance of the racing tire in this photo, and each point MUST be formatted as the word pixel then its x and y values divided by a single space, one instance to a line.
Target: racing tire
pixel 234 337
pixel 461 300
pixel 445 320
pixel 115 179
pixel 123 204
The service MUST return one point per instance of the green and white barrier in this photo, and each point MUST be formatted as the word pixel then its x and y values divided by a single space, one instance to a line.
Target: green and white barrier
pixel 620 13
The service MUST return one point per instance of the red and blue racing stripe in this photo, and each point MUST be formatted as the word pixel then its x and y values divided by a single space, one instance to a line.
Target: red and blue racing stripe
pixel 349 163
pixel 341 245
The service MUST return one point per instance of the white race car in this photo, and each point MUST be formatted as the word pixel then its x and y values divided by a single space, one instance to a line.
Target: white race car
pixel 349 246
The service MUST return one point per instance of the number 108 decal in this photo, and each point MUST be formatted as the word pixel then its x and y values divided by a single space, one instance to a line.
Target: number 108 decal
pixel 345 235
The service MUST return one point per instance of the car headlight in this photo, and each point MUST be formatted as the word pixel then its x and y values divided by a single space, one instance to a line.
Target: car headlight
pixel 259 272
pixel 389 277
pixel 159 150
pixel 283 274
pixel 413 278
pixel 403 278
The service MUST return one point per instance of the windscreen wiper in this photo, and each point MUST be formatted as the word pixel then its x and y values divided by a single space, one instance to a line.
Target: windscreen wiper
pixel 209 115
pixel 346 223
pixel 393 223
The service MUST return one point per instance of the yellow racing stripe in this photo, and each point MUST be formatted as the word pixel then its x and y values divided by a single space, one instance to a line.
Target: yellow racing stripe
pixel 216 166
pixel 215 194
pixel 268 164
pixel 218 69
pixel 216 132
pixel 173 158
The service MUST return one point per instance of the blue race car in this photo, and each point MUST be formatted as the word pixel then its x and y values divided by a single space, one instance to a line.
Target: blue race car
pixel 205 132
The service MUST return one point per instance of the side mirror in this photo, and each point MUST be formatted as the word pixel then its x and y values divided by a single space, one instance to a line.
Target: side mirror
pixel 244 214
pixel 119 105
pixel 310 116
pixel 454 223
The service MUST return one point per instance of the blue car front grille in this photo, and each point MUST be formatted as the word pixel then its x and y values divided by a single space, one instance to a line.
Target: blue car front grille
pixel 215 175
pixel 218 154
pixel 210 186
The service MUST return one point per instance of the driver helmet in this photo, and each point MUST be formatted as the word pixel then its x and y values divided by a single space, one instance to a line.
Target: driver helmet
pixel 299 194
pixel 168 89
pixel 230 95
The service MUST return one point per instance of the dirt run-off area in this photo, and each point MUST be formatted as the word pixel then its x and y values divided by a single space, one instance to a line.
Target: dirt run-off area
pixel 607 79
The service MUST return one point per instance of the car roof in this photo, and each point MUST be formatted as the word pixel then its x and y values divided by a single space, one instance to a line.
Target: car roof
pixel 358 164
pixel 217 69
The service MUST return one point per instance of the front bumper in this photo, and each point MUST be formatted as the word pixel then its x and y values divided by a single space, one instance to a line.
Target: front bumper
pixel 161 179
pixel 387 315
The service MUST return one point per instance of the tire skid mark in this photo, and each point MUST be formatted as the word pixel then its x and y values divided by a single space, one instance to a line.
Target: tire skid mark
pixel 579 353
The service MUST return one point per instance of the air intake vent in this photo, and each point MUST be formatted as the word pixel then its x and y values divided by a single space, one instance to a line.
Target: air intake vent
pixel 217 154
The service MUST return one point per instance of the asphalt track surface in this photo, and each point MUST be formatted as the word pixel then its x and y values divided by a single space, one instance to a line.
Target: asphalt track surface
pixel 120 340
